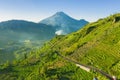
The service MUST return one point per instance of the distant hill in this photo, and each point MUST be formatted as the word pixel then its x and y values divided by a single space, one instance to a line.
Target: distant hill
pixel 63 23
pixel 97 44
pixel 20 30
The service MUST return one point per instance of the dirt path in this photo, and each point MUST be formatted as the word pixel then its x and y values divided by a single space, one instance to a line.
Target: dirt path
pixel 87 68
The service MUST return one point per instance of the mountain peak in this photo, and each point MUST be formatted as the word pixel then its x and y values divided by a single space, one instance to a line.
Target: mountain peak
pixel 60 13
pixel 63 23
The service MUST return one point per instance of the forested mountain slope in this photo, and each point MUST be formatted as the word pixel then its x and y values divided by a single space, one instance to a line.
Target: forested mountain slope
pixel 18 37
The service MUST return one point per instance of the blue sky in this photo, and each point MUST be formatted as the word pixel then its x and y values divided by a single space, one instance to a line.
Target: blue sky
pixel 36 10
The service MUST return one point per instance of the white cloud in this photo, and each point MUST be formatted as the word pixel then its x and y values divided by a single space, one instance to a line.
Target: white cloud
pixel 59 32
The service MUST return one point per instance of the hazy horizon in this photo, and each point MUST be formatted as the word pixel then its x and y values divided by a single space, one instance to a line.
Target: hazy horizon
pixel 36 10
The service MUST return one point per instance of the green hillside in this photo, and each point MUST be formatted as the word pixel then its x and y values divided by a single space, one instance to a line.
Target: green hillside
pixel 97 44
